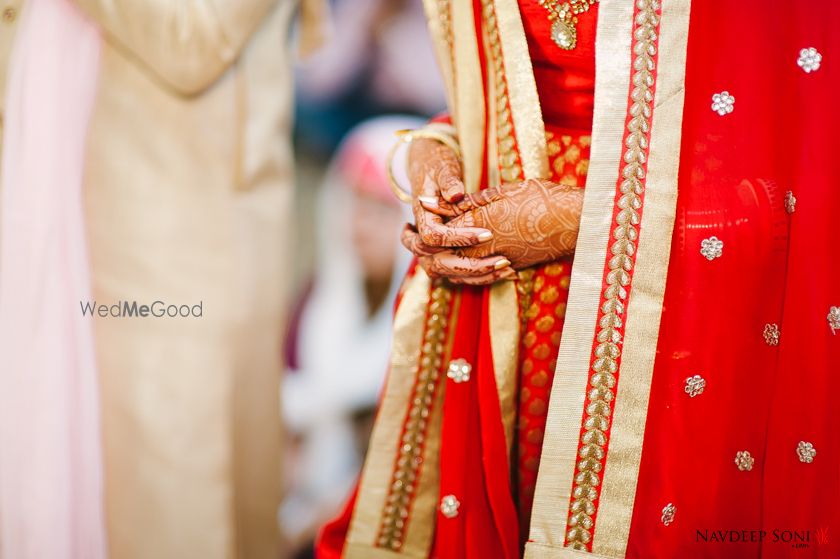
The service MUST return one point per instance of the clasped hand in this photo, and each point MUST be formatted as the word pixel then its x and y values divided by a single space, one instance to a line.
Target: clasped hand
pixel 482 238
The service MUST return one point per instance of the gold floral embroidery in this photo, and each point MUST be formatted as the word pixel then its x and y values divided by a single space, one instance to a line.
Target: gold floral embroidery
pixel 744 461
pixel 668 513
pixel 790 202
pixel 806 452
pixel 834 319
pixel 602 379
pixel 772 334
pixel 409 456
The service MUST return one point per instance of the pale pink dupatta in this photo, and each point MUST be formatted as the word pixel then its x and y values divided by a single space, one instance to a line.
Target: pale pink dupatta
pixel 50 456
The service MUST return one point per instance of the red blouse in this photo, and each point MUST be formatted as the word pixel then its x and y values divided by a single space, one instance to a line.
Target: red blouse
pixel 565 78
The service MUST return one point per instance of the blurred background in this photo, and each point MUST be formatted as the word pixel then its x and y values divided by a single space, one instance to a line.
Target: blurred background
pixel 375 74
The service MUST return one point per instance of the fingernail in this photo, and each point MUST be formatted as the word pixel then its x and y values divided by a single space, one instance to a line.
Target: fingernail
pixel 485 236
pixel 428 200
pixel 503 263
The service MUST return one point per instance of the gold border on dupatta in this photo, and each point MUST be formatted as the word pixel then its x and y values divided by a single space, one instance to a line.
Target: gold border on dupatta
pixel 516 137
pixel 571 463
pixel 562 432
pixel 439 20
pixel 373 513
pixel 522 91
pixel 621 471
pixel 468 111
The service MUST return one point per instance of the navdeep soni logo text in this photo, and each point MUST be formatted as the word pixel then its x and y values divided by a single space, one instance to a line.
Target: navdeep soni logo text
pixel 133 309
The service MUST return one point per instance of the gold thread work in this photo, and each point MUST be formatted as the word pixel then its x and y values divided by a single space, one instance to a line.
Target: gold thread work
pixel 410 455
pixel 602 379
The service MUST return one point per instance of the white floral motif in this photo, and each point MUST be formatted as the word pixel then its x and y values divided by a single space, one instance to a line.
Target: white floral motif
pixel 459 370
pixel 809 60
pixel 668 513
pixel 711 248
pixel 449 506
pixel 694 386
pixel 723 103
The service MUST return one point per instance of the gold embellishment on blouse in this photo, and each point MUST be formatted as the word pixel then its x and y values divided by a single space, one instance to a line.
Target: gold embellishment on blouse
pixel 694 386
pixel 668 513
pixel 723 103
pixel 790 202
pixel 597 409
pixel 711 248
pixel 834 319
pixel 459 370
pixel 563 18
pixel 410 453
pixel 744 461
pixel 772 334
pixel 809 60
pixel 449 506
pixel 806 452
pixel 9 14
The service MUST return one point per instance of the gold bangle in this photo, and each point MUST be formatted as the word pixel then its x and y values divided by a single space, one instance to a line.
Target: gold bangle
pixel 406 137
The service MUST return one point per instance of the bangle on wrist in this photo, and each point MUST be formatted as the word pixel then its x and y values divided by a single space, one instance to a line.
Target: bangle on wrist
pixel 443 133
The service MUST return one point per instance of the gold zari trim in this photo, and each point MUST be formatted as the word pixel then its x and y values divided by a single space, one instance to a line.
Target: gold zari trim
pixel 602 381
pixel 409 458
pixel 372 519
pixel 642 156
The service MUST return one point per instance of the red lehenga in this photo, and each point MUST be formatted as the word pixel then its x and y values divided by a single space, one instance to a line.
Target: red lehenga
pixel 690 413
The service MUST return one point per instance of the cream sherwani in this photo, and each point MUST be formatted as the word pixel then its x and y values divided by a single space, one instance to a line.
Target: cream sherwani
pixel 187 200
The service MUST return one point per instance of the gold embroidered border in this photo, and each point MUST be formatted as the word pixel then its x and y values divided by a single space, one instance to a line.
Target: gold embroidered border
pixel 578 391
pixel 417 328
pixel 562 434
pixel 522 93
pixel 404 479
pixel 468 111
pixel 609 338
pixel 641 334
pixel 439 19
pixel 505 163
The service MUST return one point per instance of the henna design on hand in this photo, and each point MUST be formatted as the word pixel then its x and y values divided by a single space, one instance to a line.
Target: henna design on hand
pixel 533 222
pixel 435 173
pixel 457 268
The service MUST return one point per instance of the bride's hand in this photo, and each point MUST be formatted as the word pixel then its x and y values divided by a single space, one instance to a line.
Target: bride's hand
pixel 435 175
pixel 533 222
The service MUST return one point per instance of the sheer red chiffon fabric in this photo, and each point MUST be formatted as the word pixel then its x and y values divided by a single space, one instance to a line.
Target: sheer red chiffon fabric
pixel 776 269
